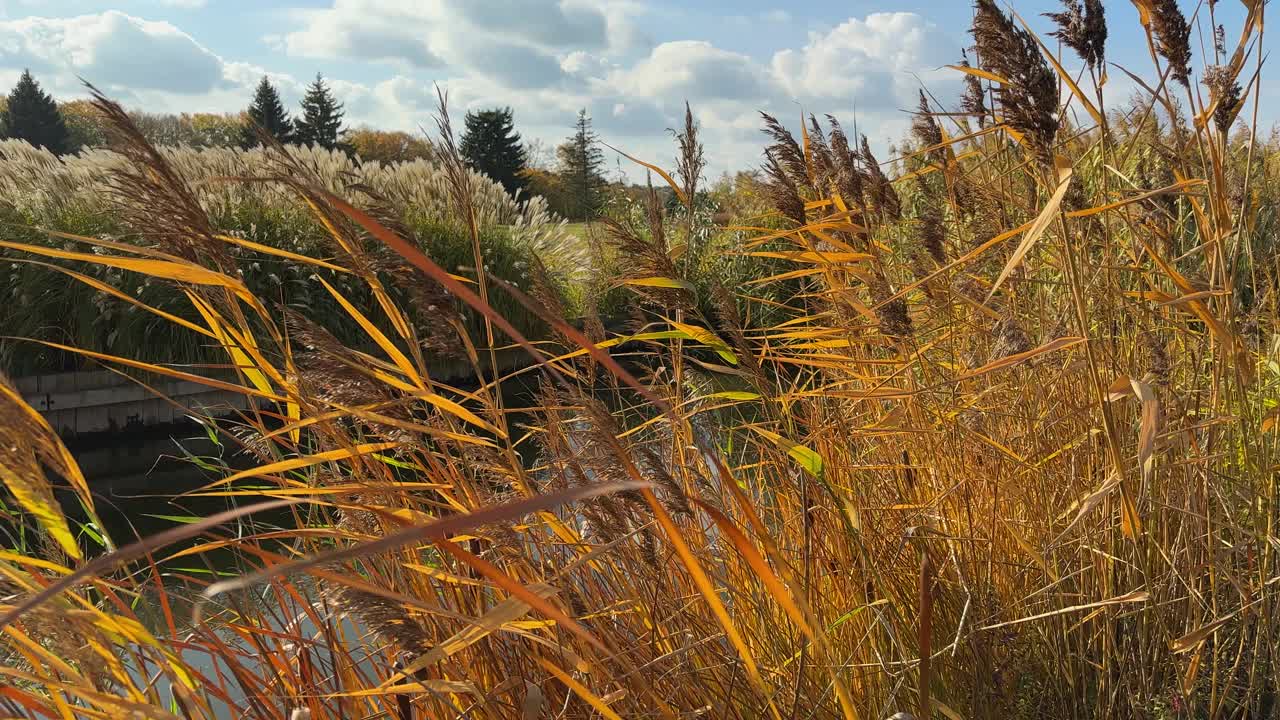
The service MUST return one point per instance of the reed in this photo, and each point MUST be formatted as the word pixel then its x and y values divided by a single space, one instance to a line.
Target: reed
pixel 1027 473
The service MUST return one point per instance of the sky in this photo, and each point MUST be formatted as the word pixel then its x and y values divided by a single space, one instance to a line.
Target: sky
pixel 631 63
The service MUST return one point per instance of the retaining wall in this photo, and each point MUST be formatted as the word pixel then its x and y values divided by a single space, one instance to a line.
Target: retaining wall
pixel 79 403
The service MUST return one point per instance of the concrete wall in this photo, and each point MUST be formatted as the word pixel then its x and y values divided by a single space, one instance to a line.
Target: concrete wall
pixel 100 401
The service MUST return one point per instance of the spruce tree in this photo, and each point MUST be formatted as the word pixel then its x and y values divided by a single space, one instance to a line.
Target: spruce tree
pixel 31 114
pixel 321 122
pixel 491 146
pixel 267 112
pixel 581 164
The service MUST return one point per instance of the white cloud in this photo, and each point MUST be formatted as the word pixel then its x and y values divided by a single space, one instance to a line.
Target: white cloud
pixel 877 60
pixel 520 45
pixel 356 29
pixel 545 58
pixel 545 23
pixel 696 71
pixel 112 50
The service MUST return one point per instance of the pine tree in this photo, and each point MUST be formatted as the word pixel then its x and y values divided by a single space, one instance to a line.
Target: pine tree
pixel 491 146
pixel 267 112
pixel 31 114
pixel 321 122
pixel 581 163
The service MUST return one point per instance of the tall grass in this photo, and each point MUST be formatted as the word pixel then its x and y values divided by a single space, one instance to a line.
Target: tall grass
pixel 1007 453
pixel 41 194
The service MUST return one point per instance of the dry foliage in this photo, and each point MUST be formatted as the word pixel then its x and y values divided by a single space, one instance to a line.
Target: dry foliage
pixel 1034 478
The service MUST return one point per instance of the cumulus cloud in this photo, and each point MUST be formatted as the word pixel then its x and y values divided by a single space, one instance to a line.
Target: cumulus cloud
pixel 545 23
pixel 545 58
pixel 697 70
pixel 874 60
pixel 365 30
pixel 114 51
pixel 520 44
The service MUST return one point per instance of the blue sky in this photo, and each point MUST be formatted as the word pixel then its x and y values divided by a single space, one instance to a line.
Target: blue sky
pixel 632 63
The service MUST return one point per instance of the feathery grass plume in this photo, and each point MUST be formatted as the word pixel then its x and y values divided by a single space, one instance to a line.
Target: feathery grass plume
pixel 1030 99
pixel 878 187
pixel 783 192
pixel 1173 38
pixel 647 255
pixel 434 308
pixel 849 175
pixel 389 621
pixel 1225 91
pixel 1011 339
pixel 932 232
pixel 577 454
pixel 731 324
pixel 1083 29
pixel 894 319
pixel 600 434
pixel 152 197
pixel 1157 359
pixel 926 129
pixel 328 371
pixel 974 100
pixel 786 151
pixel 824 168
pixel 691 160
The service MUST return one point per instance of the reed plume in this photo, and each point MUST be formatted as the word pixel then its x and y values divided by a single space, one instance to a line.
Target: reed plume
pixel 878 187
pixel 926 130
pixel 1030 98
pixel 691 159
pixel 973 102
pixel 1173 38
pixel 782 189
pixel 786 151
pixel 849 177
pixel 931 229
pixel 1083 28
pixel 1225 92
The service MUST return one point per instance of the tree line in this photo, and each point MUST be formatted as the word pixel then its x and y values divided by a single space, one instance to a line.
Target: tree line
pixel 573 183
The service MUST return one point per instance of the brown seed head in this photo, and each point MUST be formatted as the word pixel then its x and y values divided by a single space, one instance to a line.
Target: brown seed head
pixel 786 150
pixel 1225 91
pixel 1030 99
pixel 782 189
pixel 932 232
pixel 692 159
pixel 879 189
pixel 973 102
pixel 850 178
pixel 1082 28
pixel 925 128
pixel 1173 38
pixel 824 167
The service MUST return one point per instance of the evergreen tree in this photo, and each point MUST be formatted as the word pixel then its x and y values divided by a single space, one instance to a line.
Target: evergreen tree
pixel 321 122
pixel 267 112
pixel 491 146
pixel 31 114
pixel 581 163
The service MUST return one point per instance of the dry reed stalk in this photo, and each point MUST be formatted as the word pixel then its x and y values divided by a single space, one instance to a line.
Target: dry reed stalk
pixel 789 475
